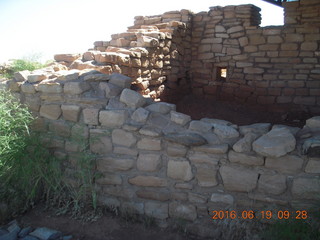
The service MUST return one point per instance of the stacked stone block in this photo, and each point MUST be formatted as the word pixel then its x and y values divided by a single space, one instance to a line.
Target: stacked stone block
pixel 161 163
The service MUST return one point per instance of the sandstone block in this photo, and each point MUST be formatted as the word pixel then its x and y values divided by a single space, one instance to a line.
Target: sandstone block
pixel 150 131
pixel 149 144
pixel 34 103
pixel 36 76
pixel 275 143
pixel 140 115
pixel 148 181
pixel 125 151
pixel 272 184
pixel 306 188
pixel 96 76
pixel 182 211
pixel 225 132
pixel 111 90
pixel 200 126
pixel 50 111
pixel 148 162
pixel 100 142
pixel 245 158
pixel 70 75
pixel 313 122
pixel 185 138
pixel 49 87
pixel 90 116
pixel 60 128
pixel 196 198
pixel 245 143
pixel 120 80
pixel 313 166
pixel 153 195
pixel 176 150
pixel 110 179
pixel 75 88
pixel 66 57
pixel 222 198
pixel 239 179
pixel 201 157
pixel 28 88
pixel 132 98
pixel 215 148
pixel 156 210
pixel 179 170
pixel 207 177
pixel 179 118
pixel 256 128
pixel 113 118
pixel 287 164
pixel 161 107
pixel 70 112
pixel 21 76
pixel 124 138
pixel 112 164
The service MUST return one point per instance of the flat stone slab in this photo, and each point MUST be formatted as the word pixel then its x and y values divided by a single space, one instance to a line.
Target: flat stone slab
pixel 187 139
pixel 276 143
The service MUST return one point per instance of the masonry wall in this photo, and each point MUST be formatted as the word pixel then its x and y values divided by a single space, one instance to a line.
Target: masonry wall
pixel 274 66
pixel 158 162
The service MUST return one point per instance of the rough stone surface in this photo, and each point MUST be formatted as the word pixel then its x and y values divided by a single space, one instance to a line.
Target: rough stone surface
pixel 287 164
pixel 245 158
pixel 222 198
pixel 313 166
pixel 70 112
pixel 187 139
pixel 120 80
pixel 256 128
pixel 157 210
pixel 275 143
pixel 132 98
pixel 215 149
pixel 110 179
pixel 149 144
pixel 272 184
pixel 179 118
pixel 111 164
pixel 306 187
pixel 225 132
pixel 313 122
pixel 123 138
pixel 176 150
pixel 113 118
pixel 75 88
pixel 161 107
pixel 148 162
pixel 200 126
pixel 182 211
pixel 50 111
pixel 148 181
pixel 140 115
pixel 206 176
pixel 180 170
pixel 238 179
pixel 91 116
pixel 245 143
pixel 66 57
pixel 112 90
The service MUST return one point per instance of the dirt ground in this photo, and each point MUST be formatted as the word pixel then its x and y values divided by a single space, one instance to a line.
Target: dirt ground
pixel 107 227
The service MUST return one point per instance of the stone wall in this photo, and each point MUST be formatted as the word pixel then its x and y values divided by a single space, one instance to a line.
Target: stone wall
pixel 161 163
pixel 180 52
pixel 274 66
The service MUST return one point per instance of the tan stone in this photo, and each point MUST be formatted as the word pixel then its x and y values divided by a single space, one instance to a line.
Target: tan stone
pixel 245 158
pixel 272 184
pixel 60 128
pixel 66 57
pixel 306 188
pixel 313 165
pixel 149 144
pixel 153 195
pixel 148 181
pixel 75 88
pixel 70 112
pixel 148 162
pixel 201 157
pixel 90 116
pixel 176 150
pixel 179 170
pixel 207 177
pixel 110 179
pixel 112 164
pixel 215 149
pixel 113 117
pixel 222 198
pixel 49 87
pixel 286 164
pixel 50 111
pixel 28 88
pixel 100 142
pixel 237 178
pixel 123 138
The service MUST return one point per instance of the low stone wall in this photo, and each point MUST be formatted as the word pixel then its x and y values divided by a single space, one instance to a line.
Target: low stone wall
pixel 161 163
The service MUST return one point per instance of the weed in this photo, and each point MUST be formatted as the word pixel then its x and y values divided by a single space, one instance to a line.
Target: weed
pixel 148 221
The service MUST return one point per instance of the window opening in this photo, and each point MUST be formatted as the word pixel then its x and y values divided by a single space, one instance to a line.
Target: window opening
pixel 222 73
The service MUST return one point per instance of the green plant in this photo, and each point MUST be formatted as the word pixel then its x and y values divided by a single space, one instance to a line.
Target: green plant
pixel 291 230
pixel 28 172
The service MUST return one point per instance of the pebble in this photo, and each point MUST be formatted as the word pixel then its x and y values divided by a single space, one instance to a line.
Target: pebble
pixel 12 231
